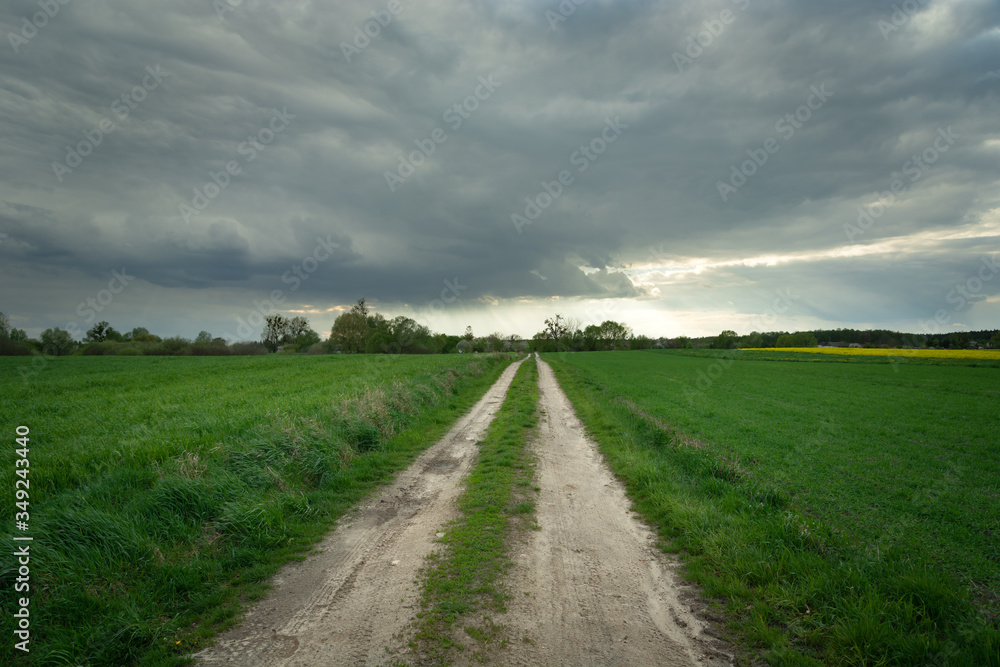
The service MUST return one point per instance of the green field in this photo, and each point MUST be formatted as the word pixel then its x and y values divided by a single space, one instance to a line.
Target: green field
pixel 846 513
pixel 838 512
pixel 164 491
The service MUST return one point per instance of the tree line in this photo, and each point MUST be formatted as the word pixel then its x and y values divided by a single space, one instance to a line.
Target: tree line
pixel 359 330
pixel 880 338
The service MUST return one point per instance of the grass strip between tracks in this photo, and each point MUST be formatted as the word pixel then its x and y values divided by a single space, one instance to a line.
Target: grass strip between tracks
pixel 463 584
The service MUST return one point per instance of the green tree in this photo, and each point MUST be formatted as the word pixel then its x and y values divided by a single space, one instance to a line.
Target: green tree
pixel 615 334
pixel 203 338
pixel 446 343
pixel 57 342
pixel 541 342
pixel 101 332
pixel 682 343
pixel 8 331
pixel 641 343
pixel 379 341
pixel 754 339
pixel 798 339
pixel 494 341
pixel 350 332
pixel 725 340
pixel 12 341
pixel 407 336
pixel 141 335
pixel 306 340
pixel 297 326
pixel 590 338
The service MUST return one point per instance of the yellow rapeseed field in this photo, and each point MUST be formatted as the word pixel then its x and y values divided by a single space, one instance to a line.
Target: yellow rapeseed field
pixel 871 351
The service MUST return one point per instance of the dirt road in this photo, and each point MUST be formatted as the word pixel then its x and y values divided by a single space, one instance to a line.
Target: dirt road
pixel 589 588
pixel 356 597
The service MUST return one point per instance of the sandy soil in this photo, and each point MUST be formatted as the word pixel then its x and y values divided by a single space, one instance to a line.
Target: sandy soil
pixel 591 588
pixel 352 602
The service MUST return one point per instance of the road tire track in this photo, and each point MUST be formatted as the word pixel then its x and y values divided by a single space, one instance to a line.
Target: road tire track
pixel 353 602
pixel 591 587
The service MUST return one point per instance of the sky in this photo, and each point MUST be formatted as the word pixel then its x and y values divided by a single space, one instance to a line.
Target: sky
pixel 684 167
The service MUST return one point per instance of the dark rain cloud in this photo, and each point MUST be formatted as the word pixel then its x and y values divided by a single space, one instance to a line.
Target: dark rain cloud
pixel 849 97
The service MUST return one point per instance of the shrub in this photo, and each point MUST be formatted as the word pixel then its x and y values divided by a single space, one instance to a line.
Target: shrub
pixel 101 348
pixel 10 347
pixel 177 346
pixel 201 350
pixel 800 339
pixel 129 352
pixel 248 348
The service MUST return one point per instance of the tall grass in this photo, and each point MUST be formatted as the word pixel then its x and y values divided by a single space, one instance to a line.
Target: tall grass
pixel 166 491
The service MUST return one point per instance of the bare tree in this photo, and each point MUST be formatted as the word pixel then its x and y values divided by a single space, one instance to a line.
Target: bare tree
pixel 361 308
pixel 275 328
pixel 556 328
pixel 296 327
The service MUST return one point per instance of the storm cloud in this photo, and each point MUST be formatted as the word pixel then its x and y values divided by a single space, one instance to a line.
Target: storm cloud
pixel 677 165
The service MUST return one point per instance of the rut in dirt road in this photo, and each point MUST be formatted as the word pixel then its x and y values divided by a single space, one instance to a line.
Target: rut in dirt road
pixel 591 587
pixel 353 602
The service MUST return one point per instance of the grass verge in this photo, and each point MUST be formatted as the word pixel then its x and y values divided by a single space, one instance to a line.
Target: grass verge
pixel 165 494
pixel 463 584
pixel 793 580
